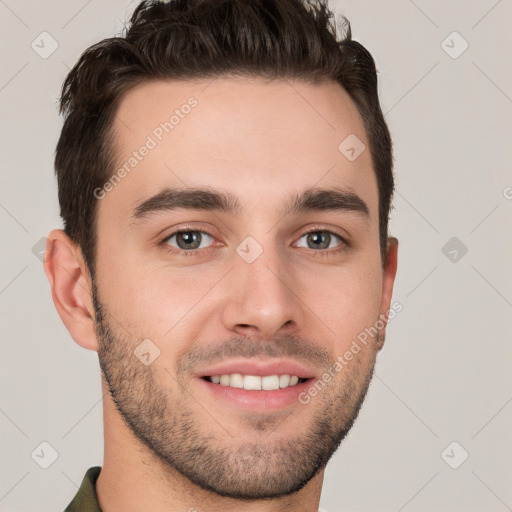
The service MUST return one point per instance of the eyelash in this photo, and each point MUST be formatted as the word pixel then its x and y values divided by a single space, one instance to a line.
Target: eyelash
pixel 323 252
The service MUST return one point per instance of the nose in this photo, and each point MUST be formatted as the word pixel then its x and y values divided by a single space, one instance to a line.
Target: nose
pixel 262 299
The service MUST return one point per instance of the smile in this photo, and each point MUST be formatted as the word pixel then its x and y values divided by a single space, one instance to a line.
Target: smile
pixel 256 382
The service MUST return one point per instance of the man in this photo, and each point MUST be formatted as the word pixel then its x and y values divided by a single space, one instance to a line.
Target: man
pixel 225 180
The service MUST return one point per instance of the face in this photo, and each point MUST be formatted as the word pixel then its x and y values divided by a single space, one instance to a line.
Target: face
pixel 266 274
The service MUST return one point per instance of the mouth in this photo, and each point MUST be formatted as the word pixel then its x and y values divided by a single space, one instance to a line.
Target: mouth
pixel 255 382
pixel 256 385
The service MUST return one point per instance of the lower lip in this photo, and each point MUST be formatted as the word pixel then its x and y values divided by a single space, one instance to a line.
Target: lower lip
pixel 257 400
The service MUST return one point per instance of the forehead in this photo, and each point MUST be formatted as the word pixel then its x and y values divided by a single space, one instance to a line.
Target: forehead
pixel 257 140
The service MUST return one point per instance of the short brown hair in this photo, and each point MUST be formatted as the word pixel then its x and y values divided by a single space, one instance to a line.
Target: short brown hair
pixel 187 39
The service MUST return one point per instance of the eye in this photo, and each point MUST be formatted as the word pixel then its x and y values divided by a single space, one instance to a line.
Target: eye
pixel 187 240
pixel 322 238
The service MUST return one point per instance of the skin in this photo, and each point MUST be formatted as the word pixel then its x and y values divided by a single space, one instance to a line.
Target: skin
pixel 258 141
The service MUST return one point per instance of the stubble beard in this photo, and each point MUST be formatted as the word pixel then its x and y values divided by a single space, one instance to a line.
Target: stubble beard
pixel 206 450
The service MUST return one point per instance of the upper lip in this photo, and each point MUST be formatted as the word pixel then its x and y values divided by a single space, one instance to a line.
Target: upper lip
pixel 260 367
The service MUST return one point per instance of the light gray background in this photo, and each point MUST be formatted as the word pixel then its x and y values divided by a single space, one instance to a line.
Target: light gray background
pixel 444 373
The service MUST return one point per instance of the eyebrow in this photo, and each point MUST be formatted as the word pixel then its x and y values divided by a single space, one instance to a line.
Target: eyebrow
pixel 312 199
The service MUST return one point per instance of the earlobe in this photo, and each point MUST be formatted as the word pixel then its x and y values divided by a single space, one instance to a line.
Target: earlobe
pixel 71 287
pixel 388 280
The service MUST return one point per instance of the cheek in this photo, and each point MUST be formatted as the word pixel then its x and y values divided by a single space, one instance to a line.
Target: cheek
pixel 159 303
pixel 347 303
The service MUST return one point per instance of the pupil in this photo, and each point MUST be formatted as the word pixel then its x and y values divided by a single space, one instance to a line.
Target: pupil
pixel 189 237
pixel 318 237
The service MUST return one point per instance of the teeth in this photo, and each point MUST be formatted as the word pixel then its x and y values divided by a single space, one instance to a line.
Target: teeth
pixel 284 381
pixel 236 380
pixel 252 382
pixel 255 382
pixel 270 382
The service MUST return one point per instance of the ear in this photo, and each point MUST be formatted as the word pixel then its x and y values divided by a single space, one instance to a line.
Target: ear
pixel 388 280
pixel 71 287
